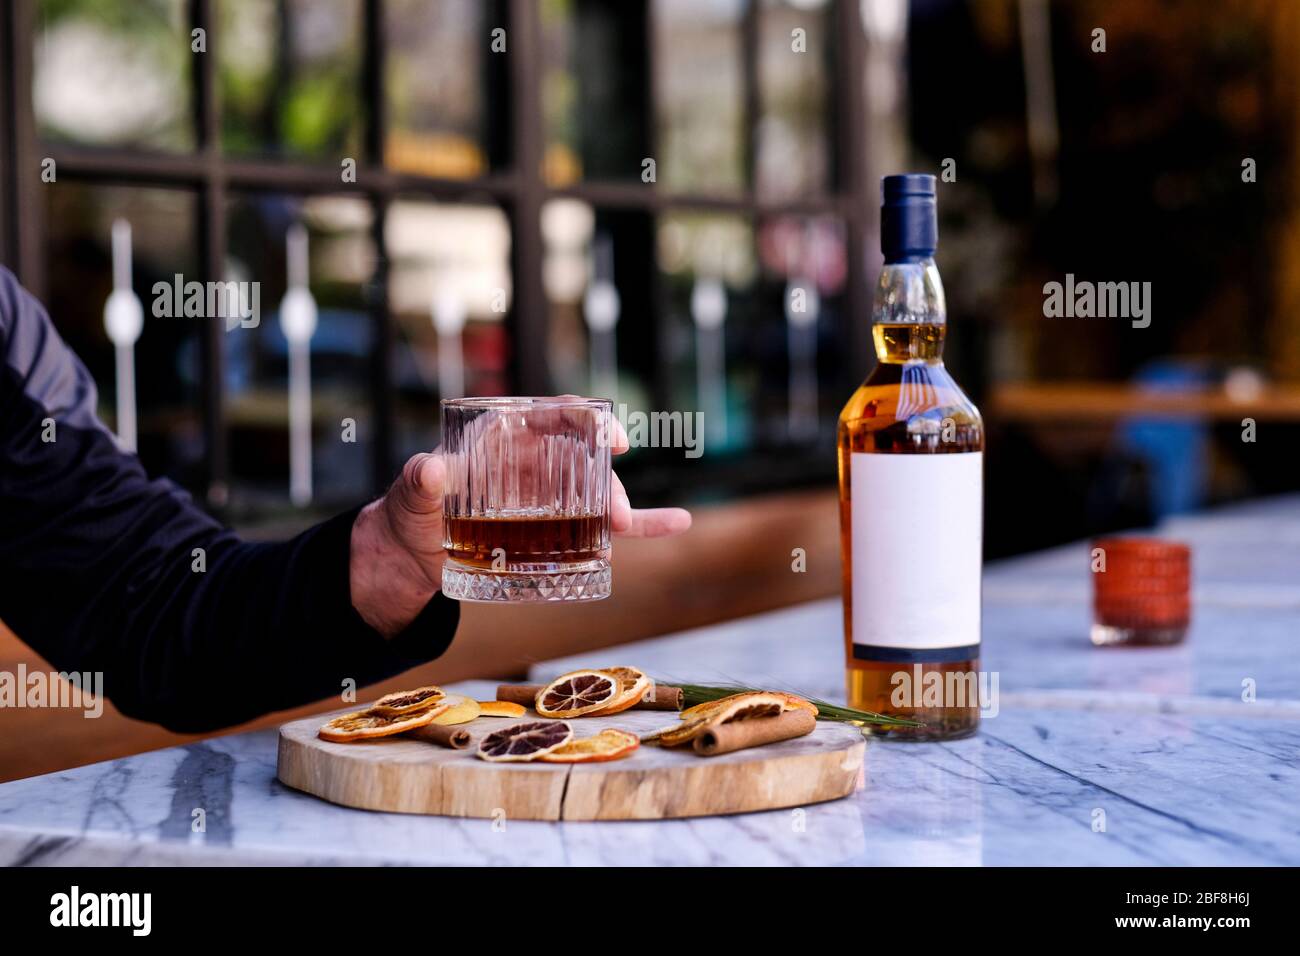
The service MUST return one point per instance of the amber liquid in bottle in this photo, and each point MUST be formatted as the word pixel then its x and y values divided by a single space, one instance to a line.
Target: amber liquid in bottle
pixel 908 405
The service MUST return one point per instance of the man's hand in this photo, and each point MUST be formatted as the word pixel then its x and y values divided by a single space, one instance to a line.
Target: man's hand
pixel 397 554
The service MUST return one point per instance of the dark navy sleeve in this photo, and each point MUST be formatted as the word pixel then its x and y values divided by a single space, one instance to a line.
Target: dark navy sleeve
pixel 98 566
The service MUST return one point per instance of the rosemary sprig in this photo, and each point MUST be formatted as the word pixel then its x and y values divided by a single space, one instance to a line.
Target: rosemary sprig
pixel 702 693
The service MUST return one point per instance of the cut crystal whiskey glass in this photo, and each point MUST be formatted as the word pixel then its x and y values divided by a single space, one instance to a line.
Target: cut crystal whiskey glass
pixel 526 504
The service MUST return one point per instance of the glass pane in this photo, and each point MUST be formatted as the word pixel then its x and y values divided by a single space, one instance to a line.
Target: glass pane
pixel 699 95
pixel 341 261
pixel 113 74
pixel 290 76
pixel 603 338
pixel 166 355
pixel 800 316
pixel 568 227
pixel 709 272
pixel 593 90
pixel 445 88
pixel 794 138
pixel 449 292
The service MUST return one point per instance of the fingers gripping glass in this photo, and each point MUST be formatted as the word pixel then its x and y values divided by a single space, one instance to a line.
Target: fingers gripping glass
pixel 526 507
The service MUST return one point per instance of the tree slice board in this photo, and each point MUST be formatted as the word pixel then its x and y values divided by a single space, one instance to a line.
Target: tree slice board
pixel 410 776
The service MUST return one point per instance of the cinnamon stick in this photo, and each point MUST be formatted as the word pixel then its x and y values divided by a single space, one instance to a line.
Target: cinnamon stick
pixel 525 694
pixel 457 738
pixel 754 732
pixel 662 697
pixel 659 697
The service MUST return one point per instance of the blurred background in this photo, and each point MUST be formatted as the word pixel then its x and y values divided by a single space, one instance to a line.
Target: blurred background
pixel 620 197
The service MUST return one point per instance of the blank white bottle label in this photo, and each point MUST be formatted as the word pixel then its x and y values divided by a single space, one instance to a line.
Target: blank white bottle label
pixel 917 540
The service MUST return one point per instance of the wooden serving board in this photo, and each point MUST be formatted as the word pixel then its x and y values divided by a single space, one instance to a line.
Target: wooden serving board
pixel 411 776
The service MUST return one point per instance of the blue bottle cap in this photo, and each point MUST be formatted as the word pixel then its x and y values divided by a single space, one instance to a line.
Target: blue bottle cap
pixel 909 228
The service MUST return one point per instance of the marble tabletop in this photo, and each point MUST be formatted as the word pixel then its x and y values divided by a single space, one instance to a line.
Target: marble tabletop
pixel 1094 757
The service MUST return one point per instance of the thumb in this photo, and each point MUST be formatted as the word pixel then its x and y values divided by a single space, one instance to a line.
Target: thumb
pixel 419 489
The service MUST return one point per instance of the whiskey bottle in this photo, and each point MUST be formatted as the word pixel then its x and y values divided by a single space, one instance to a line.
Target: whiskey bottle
pixel 911 456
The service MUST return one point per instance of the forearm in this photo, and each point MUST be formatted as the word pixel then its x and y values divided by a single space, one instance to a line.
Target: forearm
pixel 265 627
pixel 103 570
pixel 200 643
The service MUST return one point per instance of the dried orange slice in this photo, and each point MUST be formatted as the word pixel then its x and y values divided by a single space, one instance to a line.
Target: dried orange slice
pixel 735 707
pixel 793 702
pixel 653 736
pixel 526 741
pixel 366 724
pixel 407 701
pixel 609 744
pixel 633 684
pixel 577 693
pixel 500 708
pixel 460 710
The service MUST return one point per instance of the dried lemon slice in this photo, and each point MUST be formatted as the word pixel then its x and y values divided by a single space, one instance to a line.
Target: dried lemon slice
pixel 736 707
pixel 793 702
pixel 366 724
pixel 577 693
pixel 633 684
pixel 526 741
pixel 609 744
pixel 500 708
pixel 460 710
pixel 407 701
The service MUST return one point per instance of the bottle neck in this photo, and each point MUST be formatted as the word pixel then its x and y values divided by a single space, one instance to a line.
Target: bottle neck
pixel 909 315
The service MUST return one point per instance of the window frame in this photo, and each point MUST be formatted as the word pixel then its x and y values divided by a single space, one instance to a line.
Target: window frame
pixel 521 191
